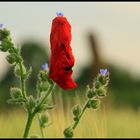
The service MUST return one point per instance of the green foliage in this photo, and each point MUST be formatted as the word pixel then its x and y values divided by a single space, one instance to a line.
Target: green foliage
pixel 44 88
pixel 93 95
pixel 19 95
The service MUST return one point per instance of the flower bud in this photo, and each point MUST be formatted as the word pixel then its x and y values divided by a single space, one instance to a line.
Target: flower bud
pixel 76 110
pixel 97 84
pixel 18 70
pixel 91 93
pixel 68 132
pixel 44 118
pixel 6 44
pixel 43 75
pixel 4 33
pixel 103 79
pixel 101 92
pixel 15 92
pixel 76 119
pixel 43 86
pixel 95 103
pixel 11 59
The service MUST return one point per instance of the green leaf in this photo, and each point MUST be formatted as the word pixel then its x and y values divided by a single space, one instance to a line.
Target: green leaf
pixel 17 71
pixel 32 102
pixel 29 72
pixel 16 101
pixel 45 107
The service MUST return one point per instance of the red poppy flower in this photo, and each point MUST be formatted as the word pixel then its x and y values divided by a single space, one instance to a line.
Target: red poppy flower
pixel 62 59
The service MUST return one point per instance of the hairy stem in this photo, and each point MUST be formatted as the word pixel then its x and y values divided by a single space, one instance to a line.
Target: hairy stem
pixel 47 94
pixel 41 129
pixel 83 110
pixel 22 82
pixel 28 124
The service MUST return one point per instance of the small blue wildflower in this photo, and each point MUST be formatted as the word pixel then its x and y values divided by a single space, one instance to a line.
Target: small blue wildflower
pixel 45 66
pixel 104 72
pixel 1 25
pixel 59 14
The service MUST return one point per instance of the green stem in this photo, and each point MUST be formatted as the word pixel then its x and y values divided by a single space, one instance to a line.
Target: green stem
pixel 43 100
pixel 22 81
pixel 48 93
pixel 83 110
pixel 41 129
pixel 28 124
pixel 22 85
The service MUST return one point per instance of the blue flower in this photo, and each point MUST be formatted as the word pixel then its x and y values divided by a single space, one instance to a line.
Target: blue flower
pixel 1 25
pixel 59 14
pixel 104 72
pixel 45 66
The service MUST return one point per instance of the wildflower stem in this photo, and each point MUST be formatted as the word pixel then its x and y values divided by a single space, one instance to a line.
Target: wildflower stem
pixel 22 81
pixel 28 124
pixel 31 115
pixel 48 93
pixel 83 110
pixel 41 129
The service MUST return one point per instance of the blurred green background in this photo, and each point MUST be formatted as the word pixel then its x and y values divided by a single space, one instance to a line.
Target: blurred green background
pixel 104 35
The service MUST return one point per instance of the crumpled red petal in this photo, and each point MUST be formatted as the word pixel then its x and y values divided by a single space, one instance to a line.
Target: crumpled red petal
pixel 62 59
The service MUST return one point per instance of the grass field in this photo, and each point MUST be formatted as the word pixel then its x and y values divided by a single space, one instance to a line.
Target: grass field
pixel 94 124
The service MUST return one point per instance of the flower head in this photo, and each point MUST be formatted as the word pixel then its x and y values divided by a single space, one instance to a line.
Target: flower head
pixel 104 72
pixel 45 66
pixel 59 14
pixel 62 59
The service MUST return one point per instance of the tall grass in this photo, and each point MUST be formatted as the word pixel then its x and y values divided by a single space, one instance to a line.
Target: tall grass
pixel 94 124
